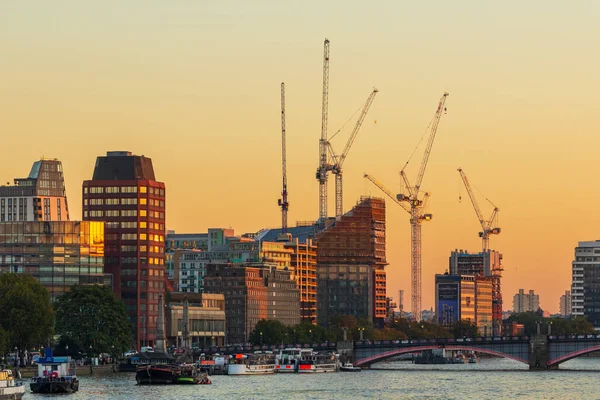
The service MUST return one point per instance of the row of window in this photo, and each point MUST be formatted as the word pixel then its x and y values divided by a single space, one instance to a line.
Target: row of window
pixel 122 213
pixel 125 201
pixel 123 189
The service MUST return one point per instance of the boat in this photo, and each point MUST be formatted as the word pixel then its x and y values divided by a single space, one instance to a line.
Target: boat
pixel 133 361
pixel 287 359
pixel 431 357
pixel 318 362
pixel 349 367
pixel 167 374
pixel 9 389
pixel 252 364
pixel 54 375
pixel 170 374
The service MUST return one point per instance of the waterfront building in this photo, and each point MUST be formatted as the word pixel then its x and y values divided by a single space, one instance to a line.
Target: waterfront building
pixel 488 264
pixel 123 192
pixel 565 304
pixel 513 329
pixel 192 241
pixel 39 197
pixel 484 305
pixel 253 292
pixel 526 302
pixel 585 286
pixel 206 320
pixel 351 278
pixel 59 254
pixel 454 298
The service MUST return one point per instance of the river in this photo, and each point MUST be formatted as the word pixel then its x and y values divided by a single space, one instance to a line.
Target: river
pixel 489 379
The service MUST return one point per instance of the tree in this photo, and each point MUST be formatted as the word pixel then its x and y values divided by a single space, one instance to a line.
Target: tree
pixel 464 328
pixel 306 332
pixel 26 313
pixel 91 315
pixel 269 331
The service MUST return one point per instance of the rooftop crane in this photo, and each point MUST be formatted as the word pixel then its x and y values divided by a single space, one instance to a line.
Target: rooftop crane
pixel 323 165
pixel 338 161
pixel 490 226
pixel 283 202
pixel 416 216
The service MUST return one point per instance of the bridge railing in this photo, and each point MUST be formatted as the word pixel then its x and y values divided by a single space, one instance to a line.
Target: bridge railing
pixel 441 341
pixel 591 337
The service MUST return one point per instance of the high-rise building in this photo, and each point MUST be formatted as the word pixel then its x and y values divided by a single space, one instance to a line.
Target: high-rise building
pixel 59 254
pixel 124 192
pixel 487 264
pixel 565 303
pixel 39 197
pixel 454 298
pixel 484 305
pixel 526 302
pixel 401 302
pixel 585 286
pixel 253 292
pixel 351 278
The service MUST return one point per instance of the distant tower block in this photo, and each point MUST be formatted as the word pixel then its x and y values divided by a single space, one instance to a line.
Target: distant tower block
pixel 401 301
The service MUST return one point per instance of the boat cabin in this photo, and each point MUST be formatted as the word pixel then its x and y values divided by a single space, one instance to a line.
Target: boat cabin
pixel 50 366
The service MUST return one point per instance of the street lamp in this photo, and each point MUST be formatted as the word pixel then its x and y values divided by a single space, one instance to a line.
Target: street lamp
pixel 261 338
pixel 310 335
pixel 67 349
pixel 17 361
pixel 361 332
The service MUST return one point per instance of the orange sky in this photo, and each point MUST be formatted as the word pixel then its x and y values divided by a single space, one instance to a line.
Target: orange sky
pixel 195 86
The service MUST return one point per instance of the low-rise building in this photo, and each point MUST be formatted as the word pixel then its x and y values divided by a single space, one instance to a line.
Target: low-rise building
pixel 526 302
pixel 206 319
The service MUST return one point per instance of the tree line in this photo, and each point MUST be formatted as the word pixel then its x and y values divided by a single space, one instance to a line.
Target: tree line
pixel 87 319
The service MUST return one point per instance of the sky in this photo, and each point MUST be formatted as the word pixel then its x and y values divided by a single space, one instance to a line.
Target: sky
pixel 195 85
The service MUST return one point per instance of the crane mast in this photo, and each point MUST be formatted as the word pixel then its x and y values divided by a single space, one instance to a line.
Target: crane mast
pixel 417 216
pixel 338 161
pixel 323 144
pixel 283 202
pixel 488 227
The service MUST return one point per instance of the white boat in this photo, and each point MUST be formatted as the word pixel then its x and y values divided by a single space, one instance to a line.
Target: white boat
pixel 349 367
pixel 288 359
pixel 318 362
pixel 251 364
pixel 9 389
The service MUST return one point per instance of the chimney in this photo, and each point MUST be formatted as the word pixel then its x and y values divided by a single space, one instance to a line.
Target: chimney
pixel 160 326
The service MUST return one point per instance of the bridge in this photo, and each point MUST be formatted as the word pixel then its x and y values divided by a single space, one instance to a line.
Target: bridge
pixel 539 351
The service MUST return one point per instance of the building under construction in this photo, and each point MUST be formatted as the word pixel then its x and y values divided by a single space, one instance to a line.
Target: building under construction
pixel 484 264
pixel 351 278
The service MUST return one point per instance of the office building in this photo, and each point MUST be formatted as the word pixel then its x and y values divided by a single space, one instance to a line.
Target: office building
pixel 526 302
pixel 484 305
pixel 351 278
pixel 59 254
pixel 488 264
pixel 206 320
pixel 123 192
pixel 39 197
pixel 454 298
pixel 565 303
pixel 585 286
pixel 253 292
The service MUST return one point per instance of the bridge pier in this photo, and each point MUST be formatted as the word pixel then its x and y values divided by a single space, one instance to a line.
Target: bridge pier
pixel 346 351
pixel 538 353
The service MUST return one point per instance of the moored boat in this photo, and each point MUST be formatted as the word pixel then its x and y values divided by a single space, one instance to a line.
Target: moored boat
pixel 54 375
pixel 251 364
pixel 287 360
pixel 9 389
pixel 318 362
pixel 170 374
pixel 349 367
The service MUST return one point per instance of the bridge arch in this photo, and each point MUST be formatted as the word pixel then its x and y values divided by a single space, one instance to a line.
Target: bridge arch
pixel 367 361
pixel 571 355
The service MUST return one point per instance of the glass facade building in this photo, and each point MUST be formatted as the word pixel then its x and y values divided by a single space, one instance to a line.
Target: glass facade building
pixel 58 254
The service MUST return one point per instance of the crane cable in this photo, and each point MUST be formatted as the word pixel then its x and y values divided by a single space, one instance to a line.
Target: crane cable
pixel 349 119
pixel 417 146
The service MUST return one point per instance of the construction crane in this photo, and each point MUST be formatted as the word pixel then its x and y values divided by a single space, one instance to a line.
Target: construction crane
pixel 323 165
pixel 283 202
pixel 338 161
pixel 490 226
pixel 416 214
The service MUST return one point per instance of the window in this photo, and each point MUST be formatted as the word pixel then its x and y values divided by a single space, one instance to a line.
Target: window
pixel 143 236
pixel 142 213
pixel 143 189
pixel 96 190
pixel 143 201
pixel 143 224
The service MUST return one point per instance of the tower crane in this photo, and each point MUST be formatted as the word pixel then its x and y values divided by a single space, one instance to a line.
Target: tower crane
pixel 490 226
pixel 323 158
pixel 283 202
pixel 338 161
pixel 416 215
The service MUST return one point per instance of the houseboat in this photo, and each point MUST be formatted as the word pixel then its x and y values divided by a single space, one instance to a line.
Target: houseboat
pixel 318 362
pixel 54 375
pixel 9 389
pixel 251 364
pixel 170 374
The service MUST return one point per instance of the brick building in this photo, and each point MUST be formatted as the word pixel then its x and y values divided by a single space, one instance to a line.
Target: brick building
pixel 124 192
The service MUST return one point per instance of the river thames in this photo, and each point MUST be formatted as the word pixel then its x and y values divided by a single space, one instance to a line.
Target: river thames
pixel 489 379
